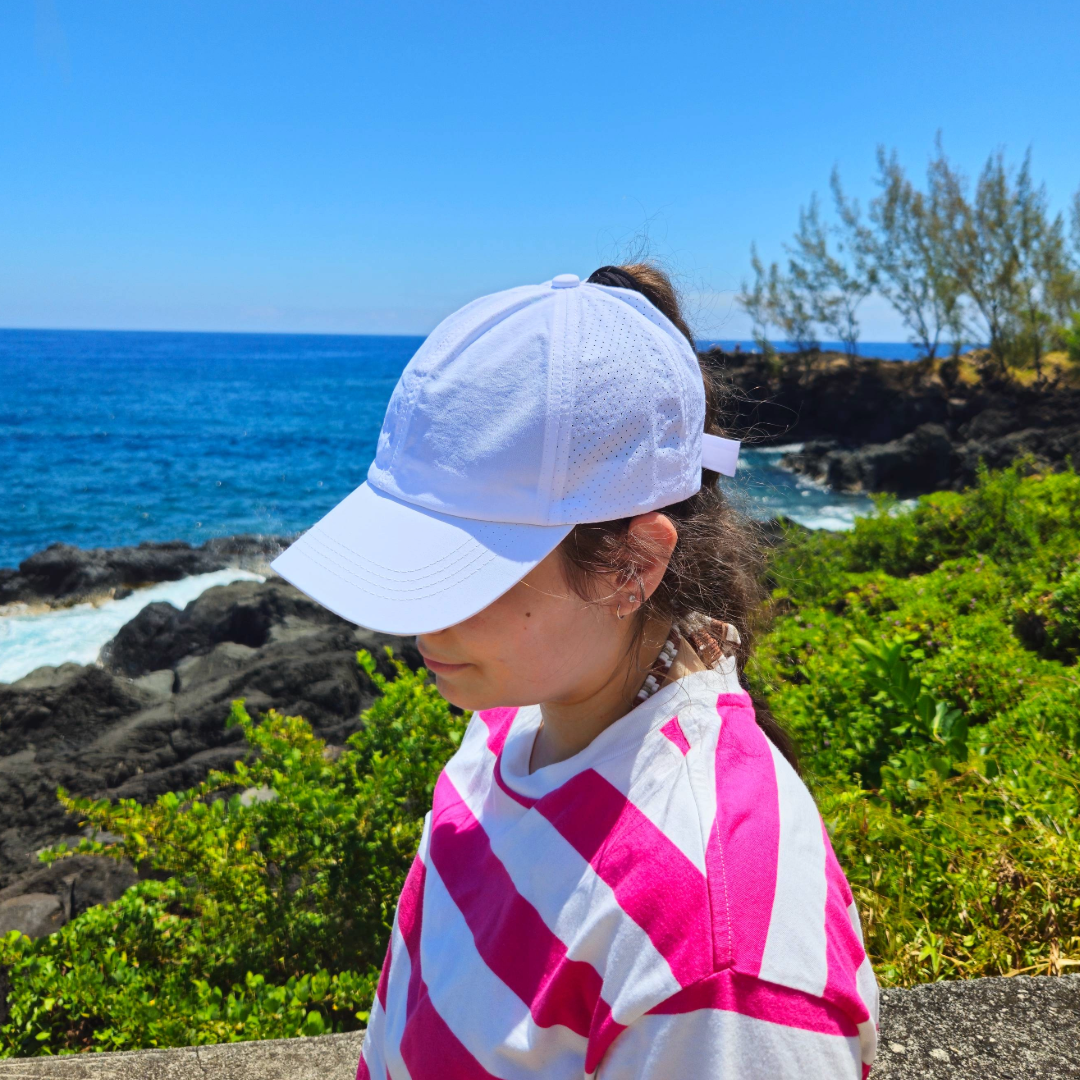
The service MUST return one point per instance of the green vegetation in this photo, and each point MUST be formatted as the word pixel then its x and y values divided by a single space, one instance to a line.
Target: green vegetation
pixel 926 663
pixel 1070 338
pixel 995 267
pixel 263 920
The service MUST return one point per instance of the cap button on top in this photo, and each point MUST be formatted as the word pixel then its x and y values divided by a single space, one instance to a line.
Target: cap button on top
pixel 565 281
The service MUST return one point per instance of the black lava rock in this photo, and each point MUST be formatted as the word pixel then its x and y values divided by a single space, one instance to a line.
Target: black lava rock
pixel 151 718
pixel 67 574
pixel 876 425
pixel 244 613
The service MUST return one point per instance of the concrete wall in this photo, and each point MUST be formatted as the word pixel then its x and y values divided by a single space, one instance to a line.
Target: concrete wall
pixel 328 1057
pixel 985 1029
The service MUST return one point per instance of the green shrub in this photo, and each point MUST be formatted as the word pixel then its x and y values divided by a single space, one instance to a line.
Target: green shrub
pixel 1049 617
pixel 939 738
pixel 272 918
pixel 926 664
pixel 1003 518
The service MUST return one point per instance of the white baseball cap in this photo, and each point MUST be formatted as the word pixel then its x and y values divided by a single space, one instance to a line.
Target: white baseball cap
pixel 524 414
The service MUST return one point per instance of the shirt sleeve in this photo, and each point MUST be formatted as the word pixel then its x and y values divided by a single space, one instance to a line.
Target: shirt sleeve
pixel 371 1065
pixel 736 1027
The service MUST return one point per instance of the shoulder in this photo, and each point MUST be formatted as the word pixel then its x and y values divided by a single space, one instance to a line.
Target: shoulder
pixel 768 856
pixel 473 767
pixel 789 910
pixel 492 725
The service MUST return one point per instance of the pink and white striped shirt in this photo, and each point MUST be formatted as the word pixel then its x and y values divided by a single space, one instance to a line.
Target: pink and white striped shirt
pixel 665 904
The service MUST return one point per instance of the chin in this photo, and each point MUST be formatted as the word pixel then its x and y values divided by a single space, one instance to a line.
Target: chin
pixel 470 698
pixel 461 696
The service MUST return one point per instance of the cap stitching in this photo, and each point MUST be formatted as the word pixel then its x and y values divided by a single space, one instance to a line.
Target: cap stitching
pixel 364 560
pixel 343 573
pixel 447 572
pixel 553 422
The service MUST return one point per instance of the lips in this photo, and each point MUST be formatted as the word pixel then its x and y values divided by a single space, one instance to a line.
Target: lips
pixel 439 668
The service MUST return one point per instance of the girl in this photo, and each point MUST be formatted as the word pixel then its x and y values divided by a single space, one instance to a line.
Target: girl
pixel 622 875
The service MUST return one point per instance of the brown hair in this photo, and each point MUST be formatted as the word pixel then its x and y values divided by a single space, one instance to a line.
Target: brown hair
pixel 715 572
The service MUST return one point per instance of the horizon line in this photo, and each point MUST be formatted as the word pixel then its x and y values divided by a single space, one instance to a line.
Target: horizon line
pixel 349 333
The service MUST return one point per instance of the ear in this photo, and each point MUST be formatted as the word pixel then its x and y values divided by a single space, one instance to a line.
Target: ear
pixel 654 536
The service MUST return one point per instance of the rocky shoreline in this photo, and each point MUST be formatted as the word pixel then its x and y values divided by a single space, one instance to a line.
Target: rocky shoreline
pixel 62 574
pixel 904 427
pixel 149 717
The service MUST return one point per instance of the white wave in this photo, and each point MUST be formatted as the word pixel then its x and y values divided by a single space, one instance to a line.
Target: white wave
pixel 768 488
pixel 829 518
pixel 76 634
pixel 776 451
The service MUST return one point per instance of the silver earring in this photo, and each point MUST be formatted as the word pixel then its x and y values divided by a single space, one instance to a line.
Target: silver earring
pixel 618 612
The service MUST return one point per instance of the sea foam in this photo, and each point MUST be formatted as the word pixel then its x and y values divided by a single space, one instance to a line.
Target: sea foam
pixel 76 634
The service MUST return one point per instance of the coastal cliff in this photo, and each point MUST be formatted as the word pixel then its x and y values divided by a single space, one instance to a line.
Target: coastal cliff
pixel 899 426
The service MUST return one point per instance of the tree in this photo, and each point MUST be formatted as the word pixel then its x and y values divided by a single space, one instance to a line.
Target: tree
pixel 833 288
pixel 1008 255
pixel 792 308
pixel 995 266
pixel 903 248
pixel 781 301
pixel 755 302
pixel 1045 285
pixel 1069 334
pixel 1075 215
pixel 977 258
pixel 1070 338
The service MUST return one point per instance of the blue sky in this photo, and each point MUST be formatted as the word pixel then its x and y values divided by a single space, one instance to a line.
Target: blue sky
pixel 322 165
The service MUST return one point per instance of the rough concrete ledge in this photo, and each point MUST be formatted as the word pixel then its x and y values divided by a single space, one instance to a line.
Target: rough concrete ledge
pixel 985 1029
pixel 982 1029
pixel 327 1057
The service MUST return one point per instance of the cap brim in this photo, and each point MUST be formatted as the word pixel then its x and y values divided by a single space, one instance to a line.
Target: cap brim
pixel 400 569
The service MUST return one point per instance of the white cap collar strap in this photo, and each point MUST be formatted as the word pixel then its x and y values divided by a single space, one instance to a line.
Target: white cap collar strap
pixel 719 454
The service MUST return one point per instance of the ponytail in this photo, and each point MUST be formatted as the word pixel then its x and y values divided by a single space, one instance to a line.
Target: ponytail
pixel 713 579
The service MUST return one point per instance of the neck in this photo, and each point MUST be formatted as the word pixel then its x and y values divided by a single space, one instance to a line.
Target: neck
pixel 568 726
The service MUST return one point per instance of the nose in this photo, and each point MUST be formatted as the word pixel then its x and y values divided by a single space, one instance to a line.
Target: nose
pixel 422 637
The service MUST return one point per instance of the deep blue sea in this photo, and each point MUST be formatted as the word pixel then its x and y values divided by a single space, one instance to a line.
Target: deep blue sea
pixel 111 438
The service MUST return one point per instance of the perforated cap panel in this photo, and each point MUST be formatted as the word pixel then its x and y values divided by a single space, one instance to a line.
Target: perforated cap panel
pixel 631 412
pixel 546 406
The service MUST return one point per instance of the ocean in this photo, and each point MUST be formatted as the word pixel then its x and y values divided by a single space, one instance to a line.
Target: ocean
pixel 110 438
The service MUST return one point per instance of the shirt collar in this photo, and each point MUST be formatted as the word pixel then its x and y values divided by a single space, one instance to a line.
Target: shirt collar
pixel 627 733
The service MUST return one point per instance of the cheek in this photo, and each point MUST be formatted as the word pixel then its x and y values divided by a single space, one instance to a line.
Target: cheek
pixel 546 650
pixel 524 654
